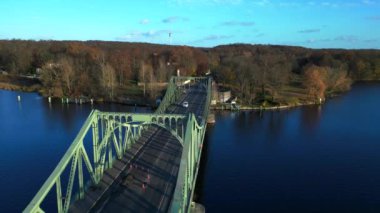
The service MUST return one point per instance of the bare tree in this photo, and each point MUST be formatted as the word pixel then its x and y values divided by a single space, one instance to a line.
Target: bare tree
pixel 162 71
pixel 141 75
pixel 108 79
pixel 149 80
pixel 337 79
pixel 67 73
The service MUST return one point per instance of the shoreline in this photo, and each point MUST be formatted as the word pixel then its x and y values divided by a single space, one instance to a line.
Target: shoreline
pixel 37 88
pixel 25 89
pixel 142 103
pixel 269 108
pixel 290 106
pixel 24 84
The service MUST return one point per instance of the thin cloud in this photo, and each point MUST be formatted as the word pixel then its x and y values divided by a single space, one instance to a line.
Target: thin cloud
pixel 368 2
pixel 262 2
pixel 289 4
pixel 329 4
pixel 310 31
pixel 238 23
pixel 146 34
pixel 173 19
pixel 315 3
pixel 206 2
pixel 260 35
pixel 271 3
pixel 371 41
pixel 213 38
pixel 226 1
pixel 374 18
pixel 144 21
pixel 343 38
pixel 313 40
pixel 347 38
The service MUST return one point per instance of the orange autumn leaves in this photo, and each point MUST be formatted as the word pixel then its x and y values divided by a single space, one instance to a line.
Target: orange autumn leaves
pixel 320 80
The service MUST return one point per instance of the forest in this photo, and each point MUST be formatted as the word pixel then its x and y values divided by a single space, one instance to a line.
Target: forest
pixel 112 71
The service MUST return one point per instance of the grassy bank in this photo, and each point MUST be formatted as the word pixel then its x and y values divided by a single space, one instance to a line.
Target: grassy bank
pixel 17 83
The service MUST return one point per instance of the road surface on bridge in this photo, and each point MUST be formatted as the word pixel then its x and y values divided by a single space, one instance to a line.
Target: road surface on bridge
pixel 145 178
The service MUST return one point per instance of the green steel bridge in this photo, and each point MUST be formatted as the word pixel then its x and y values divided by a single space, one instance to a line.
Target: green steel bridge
pixel 132 162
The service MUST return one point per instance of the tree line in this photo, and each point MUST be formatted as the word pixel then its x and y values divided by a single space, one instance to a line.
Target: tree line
pixel 260 73
pixel 255 73
pixel 95 68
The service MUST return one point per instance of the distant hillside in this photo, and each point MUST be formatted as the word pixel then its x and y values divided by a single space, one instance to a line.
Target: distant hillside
pixel 257 74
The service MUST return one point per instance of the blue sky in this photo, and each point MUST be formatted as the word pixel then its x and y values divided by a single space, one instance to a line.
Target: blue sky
pixel 205 23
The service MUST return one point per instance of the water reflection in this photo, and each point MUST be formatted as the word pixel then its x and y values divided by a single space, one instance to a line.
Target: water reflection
pixel 251 162
pixel 199 193
pixel 34 135
pixel 274 162
pixel 67 114
pixel 310 117
pixel 19 106
pixel 270 122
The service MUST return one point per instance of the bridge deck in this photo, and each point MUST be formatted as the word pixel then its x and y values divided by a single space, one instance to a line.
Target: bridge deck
pixel 145 178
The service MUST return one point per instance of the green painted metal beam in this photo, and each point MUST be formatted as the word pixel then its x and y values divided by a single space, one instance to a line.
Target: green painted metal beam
pixel 102 127
pixel 191 155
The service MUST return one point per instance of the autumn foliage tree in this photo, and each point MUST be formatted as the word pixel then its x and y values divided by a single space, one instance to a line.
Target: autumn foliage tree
pixel 314 81
pixel 254 73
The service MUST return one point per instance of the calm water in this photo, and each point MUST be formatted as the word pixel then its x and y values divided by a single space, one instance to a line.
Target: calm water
pixel 34 135
pixel 309 159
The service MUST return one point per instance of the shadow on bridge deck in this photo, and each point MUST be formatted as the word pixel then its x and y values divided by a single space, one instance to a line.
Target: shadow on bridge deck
pixel 145 178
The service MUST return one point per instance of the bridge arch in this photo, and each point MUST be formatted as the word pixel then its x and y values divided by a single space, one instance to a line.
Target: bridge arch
pixel 167 123
pixel 172 132
pixel 173 124
pixel 160 120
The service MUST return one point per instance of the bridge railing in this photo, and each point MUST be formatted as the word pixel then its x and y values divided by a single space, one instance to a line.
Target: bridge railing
pixel 175 87
pixel 191 156
pixel 75 155
pixel 170 96
pixel 104 137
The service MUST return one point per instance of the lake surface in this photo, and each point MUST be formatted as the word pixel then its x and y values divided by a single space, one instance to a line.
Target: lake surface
pixel 307 159
pixel 34 135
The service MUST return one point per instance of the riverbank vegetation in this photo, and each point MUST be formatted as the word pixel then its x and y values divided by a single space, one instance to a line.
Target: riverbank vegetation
pixel 280 75
pixel 17 83
pixel 120 71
